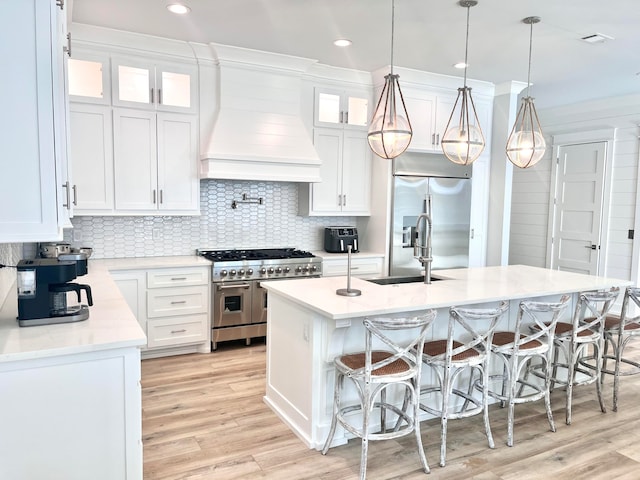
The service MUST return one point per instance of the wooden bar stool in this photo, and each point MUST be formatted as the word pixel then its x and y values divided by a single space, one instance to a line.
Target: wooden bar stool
pixel 373 372
pixel 466 349
pixel 581 343
pixel 517 350
pixel 618 331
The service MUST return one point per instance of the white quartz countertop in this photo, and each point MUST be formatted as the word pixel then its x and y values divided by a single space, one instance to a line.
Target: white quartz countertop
pixel 111 324
pixel 457 287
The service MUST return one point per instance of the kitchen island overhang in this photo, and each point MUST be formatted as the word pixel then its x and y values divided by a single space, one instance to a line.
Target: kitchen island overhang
pixel 309 325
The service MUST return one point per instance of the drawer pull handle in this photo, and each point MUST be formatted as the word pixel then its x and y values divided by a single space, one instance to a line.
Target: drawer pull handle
pixel 177 302
pixel 178 278
pixel 355 268
pixel 179 331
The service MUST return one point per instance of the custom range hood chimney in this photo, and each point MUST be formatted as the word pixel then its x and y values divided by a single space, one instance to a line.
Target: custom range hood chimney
pixel 258 132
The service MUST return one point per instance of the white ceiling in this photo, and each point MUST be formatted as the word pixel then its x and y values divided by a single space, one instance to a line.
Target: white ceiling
pixel 429 35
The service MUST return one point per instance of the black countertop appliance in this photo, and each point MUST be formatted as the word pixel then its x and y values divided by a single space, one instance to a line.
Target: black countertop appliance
pixel 337 239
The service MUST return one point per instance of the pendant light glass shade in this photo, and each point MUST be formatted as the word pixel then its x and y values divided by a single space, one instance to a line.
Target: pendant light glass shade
pixel 526 144
pixel 390 131
pixel 463 140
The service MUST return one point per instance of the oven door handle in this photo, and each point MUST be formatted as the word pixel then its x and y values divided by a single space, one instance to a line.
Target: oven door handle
pixel 226 287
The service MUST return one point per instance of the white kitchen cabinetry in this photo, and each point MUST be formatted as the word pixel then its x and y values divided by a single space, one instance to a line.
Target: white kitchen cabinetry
pixel 132 285
pixel 32 127
pixel 177 306
pixel 367 266
pixel 153 85
pixel 172 307
pixel 345 188
pixel 155 165
pixel 72 416
pixel 429 114
pixel 91 151
pixel 89 79
pixel 343 109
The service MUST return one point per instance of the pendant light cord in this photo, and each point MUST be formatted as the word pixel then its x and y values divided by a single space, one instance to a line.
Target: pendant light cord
pixel 393 13
pixel 466 48
pixel 530 45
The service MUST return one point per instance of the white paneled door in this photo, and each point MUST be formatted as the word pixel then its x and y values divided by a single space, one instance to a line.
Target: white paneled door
pixel 578 208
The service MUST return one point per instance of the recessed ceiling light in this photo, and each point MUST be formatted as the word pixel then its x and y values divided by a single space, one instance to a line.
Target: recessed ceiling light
pixel 342 42
pixel 178 8
pixel 461 65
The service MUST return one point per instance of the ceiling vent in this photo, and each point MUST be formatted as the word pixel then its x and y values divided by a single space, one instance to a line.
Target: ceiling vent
pixel 597 38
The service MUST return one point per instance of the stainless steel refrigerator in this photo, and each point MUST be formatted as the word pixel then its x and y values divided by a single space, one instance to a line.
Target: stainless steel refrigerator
pixel 420 180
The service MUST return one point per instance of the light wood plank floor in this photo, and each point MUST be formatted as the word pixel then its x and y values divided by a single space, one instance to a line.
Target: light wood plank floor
pixel 204 418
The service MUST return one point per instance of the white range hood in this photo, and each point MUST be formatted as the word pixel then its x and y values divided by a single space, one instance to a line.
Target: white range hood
pixel 258 132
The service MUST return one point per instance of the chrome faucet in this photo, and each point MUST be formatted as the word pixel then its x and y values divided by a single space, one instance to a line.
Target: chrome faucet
pixel 423 252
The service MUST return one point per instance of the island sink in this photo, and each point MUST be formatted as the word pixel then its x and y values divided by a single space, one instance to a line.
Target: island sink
pixel 397 280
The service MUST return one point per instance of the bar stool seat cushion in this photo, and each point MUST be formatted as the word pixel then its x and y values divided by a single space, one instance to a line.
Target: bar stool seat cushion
pixel 439 347
pixel 356 361
pixel 505 338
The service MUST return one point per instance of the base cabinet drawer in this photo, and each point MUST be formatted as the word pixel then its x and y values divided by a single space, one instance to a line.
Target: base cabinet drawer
pixel 360 267
pixel 177 301
pixel 177 277
pixel 166 332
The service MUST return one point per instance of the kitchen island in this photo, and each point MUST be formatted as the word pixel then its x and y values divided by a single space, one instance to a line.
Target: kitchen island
pixel 309 325
pixel 70 393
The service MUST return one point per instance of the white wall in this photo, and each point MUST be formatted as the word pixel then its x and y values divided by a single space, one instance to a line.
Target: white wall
pixel 531 188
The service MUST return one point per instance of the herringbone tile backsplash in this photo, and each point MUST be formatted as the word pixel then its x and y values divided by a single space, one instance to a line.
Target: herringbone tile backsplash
pixel 276 223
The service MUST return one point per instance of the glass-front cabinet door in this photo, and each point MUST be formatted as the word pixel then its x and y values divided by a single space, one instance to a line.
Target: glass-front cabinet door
pixel 88 77
pixel 156 86
pixel 339 108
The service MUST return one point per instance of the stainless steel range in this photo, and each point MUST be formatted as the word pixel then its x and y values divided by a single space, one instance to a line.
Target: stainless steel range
pixel 238 302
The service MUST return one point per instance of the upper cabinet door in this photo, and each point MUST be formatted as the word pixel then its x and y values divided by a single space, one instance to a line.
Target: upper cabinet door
pixel 154 86
pixel 176 88
pixel 341 109
pixel 89 79
pixel 28 123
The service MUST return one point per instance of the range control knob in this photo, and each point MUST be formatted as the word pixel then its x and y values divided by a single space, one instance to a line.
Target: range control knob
pixel 278 270
pixel 250 271
pixel 232 273
pixel 287 269
pixel 223 273
pixel 314 268
pixel 270 269
pixel 241 271
pixel 263 271
pixel 305 269
pixel 298 269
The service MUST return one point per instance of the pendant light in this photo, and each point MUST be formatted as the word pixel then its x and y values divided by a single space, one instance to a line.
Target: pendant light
pixel 526 144
pixel 390 130
pixel 463 141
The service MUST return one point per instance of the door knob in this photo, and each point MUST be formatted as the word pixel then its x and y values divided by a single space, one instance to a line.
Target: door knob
pixel 593 247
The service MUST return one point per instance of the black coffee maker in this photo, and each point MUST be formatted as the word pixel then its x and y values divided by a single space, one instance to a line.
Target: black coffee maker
pixel 43 285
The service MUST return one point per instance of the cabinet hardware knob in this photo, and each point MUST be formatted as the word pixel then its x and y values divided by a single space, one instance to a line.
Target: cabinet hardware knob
pixel 346 117
pixel 159 96
pixel 161 196
pixel 179 331
pixel 178 302
pixel 154 197
pixel 75 195
pixel 151 97
pixel 178 278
